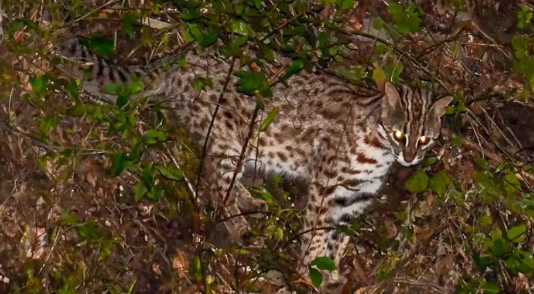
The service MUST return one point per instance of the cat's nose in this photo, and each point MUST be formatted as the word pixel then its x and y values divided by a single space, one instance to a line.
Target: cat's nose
pixel 409 155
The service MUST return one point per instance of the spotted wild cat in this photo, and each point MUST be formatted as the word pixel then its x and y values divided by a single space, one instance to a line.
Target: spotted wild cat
pixel 340 141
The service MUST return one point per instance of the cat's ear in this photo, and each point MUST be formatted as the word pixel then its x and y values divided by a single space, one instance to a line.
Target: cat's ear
pixel 391 95
pixel 436 111
pixel 392 111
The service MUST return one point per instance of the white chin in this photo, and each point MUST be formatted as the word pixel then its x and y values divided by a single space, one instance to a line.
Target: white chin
pixel 401 161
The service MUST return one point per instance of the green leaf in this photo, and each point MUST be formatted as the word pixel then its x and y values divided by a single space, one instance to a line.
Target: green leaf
pixel 99 45
pixel 353 74
pixel 457 142
pixel 406 20
pixel 524 17
pixel 192 14
pixel 252 82
pixel 170 173
pixel 265 195
pixel 257 4
pixel 316 277
pixel 482 163
pixel 323 38
pixel 88 231
pixel 377 24
pixel 269 119
pixel 491 288
pixel 498 247
pixel 516 232
pixel 526 264
pixel 200 82
pixel 483 261
pixel 68 219
pixel 512 182
pixel 196 268
pixel 16 24
pixel 512 263
pixel 114 88
pixel 379 75
pixel 238 27
pixel 117 163
pixel 72 90
pixel 324 263
pixel 345 4
pixel 267 53
pixel 417 182
pixel 152 137
pixel 521 45
pixel 149 175
pixel 130 289
pixel 134 85
pixel 105 249
pixel 485 221
pixel 47 123
pixel 393 68
pixel 39 84
pixel 135 153
pixel 155 193
pixel 140 190
pixel 240 41
pixel 294 67
pixel 439 183
pixel 128 22
pixel 205 38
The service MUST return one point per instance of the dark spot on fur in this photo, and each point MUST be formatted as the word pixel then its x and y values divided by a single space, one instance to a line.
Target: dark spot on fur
pixel 229 125
pixel 329 190
pixel 349 171
pixel 364 159
pixel 345 218
pixel 341 202
pixel 330 174
pixel 228 114
pixel 351 183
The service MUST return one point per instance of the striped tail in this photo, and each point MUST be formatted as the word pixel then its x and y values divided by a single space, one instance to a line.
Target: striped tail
pixel 95 72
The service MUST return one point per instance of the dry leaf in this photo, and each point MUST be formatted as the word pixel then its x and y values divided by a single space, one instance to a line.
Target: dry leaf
pixel 422 233
pixel 156 269
pixel 34 242
pixel 429 201
pixel 360 273
pixel 392 229
pixel 180 264
pixel 444 264
pixel 521 283
pixel 302 281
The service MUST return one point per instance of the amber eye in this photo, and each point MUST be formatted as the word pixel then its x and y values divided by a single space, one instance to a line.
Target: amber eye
pixel 423 140
pixel 398 135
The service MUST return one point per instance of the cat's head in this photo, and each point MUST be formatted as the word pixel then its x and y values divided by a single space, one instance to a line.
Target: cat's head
pixel 410 122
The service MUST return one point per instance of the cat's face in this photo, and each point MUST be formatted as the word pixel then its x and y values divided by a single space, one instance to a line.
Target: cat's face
pixel 410 122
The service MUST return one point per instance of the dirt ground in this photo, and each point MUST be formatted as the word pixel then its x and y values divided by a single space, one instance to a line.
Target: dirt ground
pixel 68 224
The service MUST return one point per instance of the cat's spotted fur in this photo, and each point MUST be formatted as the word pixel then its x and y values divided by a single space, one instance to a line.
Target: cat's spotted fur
pixel 339 141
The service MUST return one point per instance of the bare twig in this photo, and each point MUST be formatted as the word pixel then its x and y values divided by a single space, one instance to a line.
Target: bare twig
pixel 412 59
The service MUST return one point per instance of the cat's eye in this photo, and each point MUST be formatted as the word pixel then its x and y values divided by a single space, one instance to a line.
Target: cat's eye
pixel 398 135
pixel 423 140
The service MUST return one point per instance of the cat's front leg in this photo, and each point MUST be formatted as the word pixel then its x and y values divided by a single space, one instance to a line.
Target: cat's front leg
pixel 329 207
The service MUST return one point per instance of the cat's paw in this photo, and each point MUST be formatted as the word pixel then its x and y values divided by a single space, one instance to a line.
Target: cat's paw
pixel 238 228
pixel 333 283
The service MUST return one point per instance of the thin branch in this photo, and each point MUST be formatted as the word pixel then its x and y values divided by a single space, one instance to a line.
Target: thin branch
pixel 205 146
pixel 413 60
